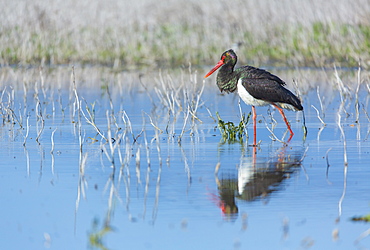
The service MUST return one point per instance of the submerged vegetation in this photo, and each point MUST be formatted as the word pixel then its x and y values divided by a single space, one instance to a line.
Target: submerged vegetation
pixel 231 132
pixel 174 33
pixel 365 218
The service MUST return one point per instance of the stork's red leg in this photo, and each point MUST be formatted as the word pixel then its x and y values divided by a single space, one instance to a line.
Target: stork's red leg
pixel 285 120
pixel 254 116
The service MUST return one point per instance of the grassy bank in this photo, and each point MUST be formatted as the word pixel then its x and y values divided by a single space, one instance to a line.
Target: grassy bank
pixel 148 33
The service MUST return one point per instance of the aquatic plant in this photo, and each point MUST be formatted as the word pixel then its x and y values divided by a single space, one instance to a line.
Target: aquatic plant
pixel 231 132
pixel 97 236
pixel 365 218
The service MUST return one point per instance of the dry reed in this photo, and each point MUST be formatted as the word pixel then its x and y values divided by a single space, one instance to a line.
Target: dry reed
pixel 151 33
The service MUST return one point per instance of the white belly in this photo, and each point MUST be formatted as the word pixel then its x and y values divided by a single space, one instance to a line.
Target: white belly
pixel 247 98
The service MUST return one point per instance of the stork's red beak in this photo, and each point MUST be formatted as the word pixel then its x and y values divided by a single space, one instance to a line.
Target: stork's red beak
pixel 219 64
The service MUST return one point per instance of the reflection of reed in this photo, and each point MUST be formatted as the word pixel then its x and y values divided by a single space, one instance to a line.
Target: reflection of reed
pixel 82 183
pixel 27 159
pixel 42 157
pixel 52 151
pixel 344 93
pixel 147 178
pixel 257 177
pixel 186 164
pixel 27 131
pixel 158 183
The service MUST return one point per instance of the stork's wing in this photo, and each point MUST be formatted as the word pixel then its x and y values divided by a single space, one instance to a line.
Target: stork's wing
pixel 267 89
pixel 256 73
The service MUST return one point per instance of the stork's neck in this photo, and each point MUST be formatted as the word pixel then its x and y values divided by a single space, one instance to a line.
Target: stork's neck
pixel 227 78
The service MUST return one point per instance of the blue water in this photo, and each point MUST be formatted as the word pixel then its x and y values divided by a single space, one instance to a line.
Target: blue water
pixel 168 195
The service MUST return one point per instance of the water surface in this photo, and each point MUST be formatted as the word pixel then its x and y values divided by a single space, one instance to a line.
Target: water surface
pixel 168 179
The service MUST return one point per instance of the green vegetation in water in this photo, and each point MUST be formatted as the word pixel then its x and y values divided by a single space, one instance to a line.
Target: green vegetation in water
pixel 230 132
pixel 96 237
pixel 365 218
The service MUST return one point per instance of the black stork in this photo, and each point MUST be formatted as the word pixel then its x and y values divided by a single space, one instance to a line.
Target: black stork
pixel 256 87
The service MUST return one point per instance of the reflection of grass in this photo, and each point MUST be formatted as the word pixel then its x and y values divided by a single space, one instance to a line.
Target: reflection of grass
pixel 96 237
pixel 139 35
pixel 231 132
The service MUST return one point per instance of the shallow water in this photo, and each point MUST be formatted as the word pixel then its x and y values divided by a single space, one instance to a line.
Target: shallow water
pixel 179 186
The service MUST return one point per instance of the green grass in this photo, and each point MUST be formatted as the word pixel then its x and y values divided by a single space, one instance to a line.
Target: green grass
pixel 178 33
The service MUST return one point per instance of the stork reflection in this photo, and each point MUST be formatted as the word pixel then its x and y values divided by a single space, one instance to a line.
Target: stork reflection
pixel 256 177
